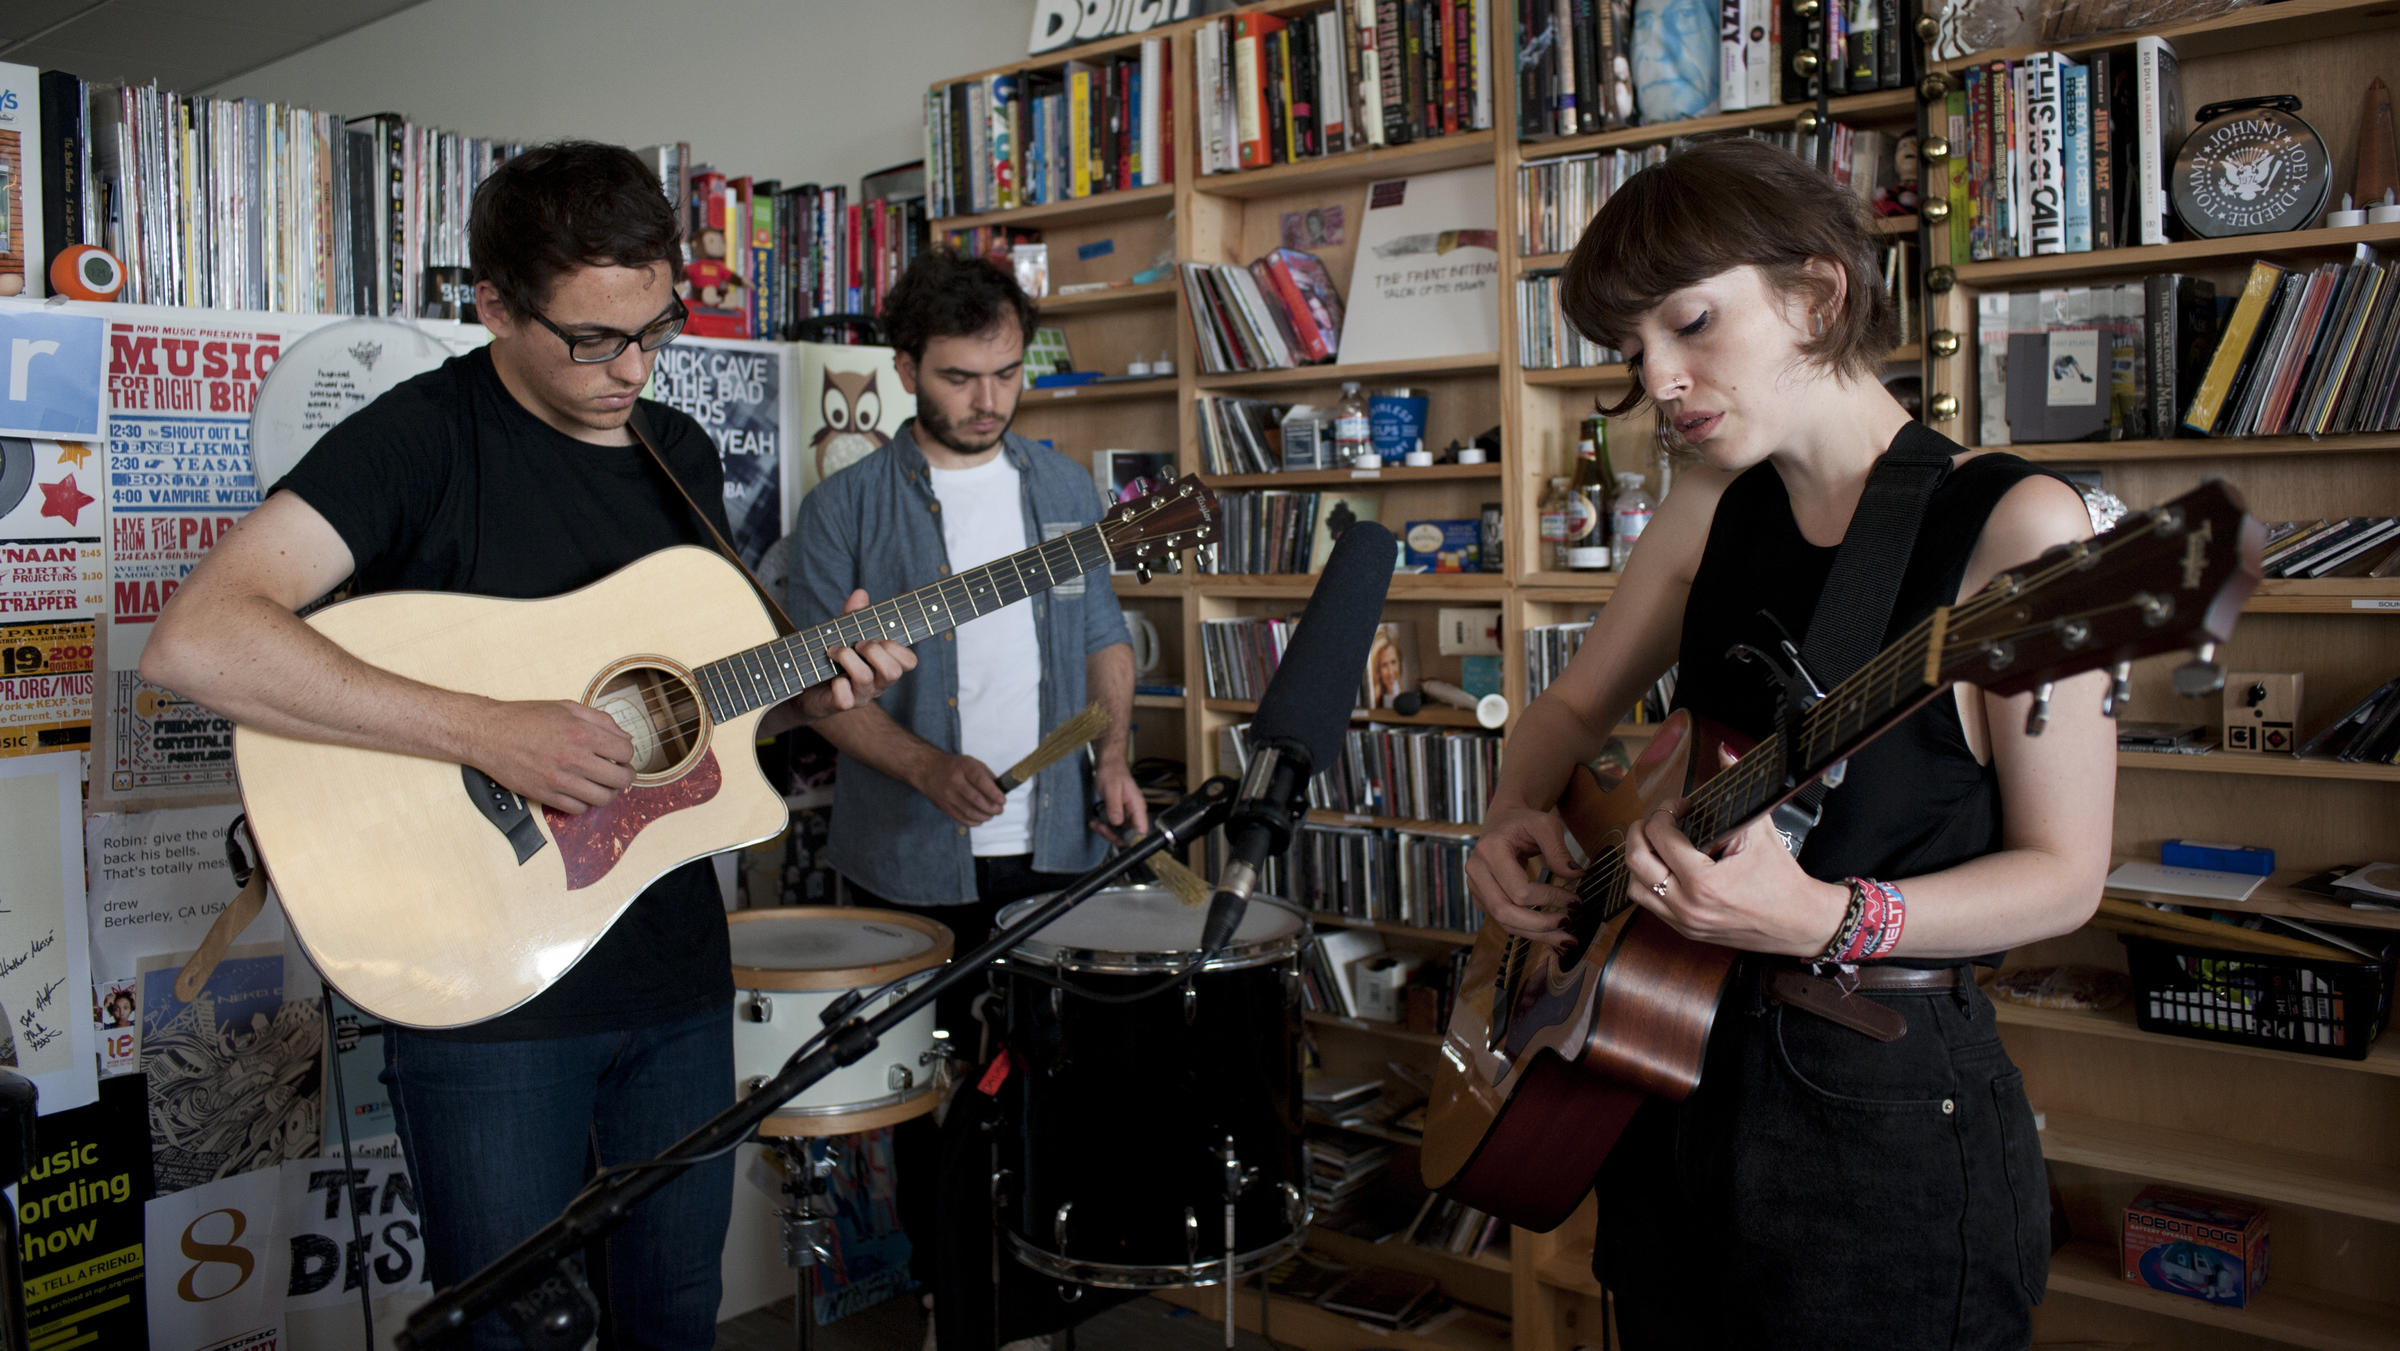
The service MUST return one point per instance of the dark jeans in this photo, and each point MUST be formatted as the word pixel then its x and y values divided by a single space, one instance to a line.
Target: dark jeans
pixel 1824 1189
pixel 500 1135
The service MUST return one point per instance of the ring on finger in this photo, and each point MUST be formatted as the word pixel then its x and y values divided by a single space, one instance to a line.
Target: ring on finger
pixel 1659 888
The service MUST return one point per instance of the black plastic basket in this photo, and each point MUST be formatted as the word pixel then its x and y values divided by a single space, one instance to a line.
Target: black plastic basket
pixel 2252 999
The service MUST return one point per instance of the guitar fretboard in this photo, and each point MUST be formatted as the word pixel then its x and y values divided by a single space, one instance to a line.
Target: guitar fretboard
pixel 773 672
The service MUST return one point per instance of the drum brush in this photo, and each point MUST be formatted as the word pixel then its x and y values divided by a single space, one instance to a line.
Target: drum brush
pixel 1062 741
pixel 1189 887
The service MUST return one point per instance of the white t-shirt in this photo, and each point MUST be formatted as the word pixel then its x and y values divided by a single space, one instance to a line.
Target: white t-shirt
pixel 999 654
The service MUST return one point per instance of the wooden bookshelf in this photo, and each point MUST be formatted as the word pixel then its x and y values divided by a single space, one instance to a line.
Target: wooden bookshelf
pixel 1355 166
pixel 1361 371
pixel 1105 206
pixel 2150 258
pixel 1884 105
pixel 2286 1312
pixel 2196 1159
pixel 2383 1060
pixel 2201 448
pixel 2265 766
pixel 1435 715
pixel 1390 475
pixel 1101 391
pixel 1113 298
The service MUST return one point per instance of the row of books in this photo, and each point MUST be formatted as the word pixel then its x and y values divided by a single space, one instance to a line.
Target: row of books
pixel 762 258
pixel 1248 436
pixel 1548 649
pixel 2305 353
pixel 1557 198
pixel 2060 156
pixel 1280 311
pixel 1279 89
pixel 1274 530
pixel 2342 546
pixel 1575 72
pixel 244 203
pixel 1386 876
pixel 1037 137
pixel 2092 363
pixel 2368 734
pixel 1431 774
pixel 1545 340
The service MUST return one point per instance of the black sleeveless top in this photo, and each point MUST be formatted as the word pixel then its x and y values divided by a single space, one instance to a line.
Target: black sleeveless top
pixel 1915 800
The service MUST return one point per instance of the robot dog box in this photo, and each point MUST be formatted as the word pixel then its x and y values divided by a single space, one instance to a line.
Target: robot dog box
pixel 2196 1245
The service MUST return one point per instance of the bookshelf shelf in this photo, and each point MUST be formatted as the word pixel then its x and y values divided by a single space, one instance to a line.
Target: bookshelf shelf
pixel 1571 377
pixel 1078 211
pixel 1418 931
pixel 1568 1270
pixel 2200 448
pixel 1443 716
pixel 1358 370
pixel 1160 585
pixel 2383 1059
pixel 1491 587
pixel 1894 225
pixel 2275 896
pixel 1108 392
pixel 2289 1314
pixel 2243 30
pixel 1883 104
pixel 1460 829
pixel 1390 476
pixel 2167 257
pixel 2266 766
pixel 1355 166
pixel 2326 595
pixel 1173 701
pixel 1299 1323
pixel 1396 1033
pixel 1570 586
pixel 2194 1159
pixel 1114 298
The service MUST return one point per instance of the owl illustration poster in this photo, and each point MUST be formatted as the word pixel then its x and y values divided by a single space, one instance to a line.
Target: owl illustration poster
pixel 735 389
pixel 850 404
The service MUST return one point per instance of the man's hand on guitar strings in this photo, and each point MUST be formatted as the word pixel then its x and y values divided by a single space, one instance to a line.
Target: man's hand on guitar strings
pixel 1753 896
pixel 564 755
pixel 867 671
pixel 1499 874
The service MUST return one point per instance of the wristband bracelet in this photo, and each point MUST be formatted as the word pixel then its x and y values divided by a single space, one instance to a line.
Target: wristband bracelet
pixel 1895 914
pixel 1847 931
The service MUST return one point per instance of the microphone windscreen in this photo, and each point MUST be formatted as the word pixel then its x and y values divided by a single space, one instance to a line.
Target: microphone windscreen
pixel 1316 686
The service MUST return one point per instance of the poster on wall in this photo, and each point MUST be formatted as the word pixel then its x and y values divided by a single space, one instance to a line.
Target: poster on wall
pixel 79 1209
pixel 1427 279
pixel 45 963
pixel 158 880
pixel 179 475
pixel 328 374
pixel 735 390
pixel 850 403
pixel 235 1075
pixel 216 1269
pixel 53 587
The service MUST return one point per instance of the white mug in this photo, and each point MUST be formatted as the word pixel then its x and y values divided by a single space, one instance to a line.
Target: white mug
pixel 1145 642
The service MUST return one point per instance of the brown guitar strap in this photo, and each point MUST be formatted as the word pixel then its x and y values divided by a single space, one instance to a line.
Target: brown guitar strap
pixel 783 622
pixel 231 920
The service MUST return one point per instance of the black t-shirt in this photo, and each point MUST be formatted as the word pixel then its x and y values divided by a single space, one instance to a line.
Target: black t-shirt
pixel 1915 800
pixel 447 483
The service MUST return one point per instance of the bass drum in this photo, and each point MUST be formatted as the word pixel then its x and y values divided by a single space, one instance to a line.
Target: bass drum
pixel 789 964
pixel 1138 1110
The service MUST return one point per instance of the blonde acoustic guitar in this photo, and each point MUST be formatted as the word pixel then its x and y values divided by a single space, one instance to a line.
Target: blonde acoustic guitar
pixel 431 896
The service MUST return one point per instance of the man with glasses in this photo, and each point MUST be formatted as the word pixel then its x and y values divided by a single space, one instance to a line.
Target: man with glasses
pixel 512 471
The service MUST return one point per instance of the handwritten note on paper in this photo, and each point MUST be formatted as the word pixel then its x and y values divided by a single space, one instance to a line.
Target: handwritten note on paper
pixel 45 965
pixel 158 880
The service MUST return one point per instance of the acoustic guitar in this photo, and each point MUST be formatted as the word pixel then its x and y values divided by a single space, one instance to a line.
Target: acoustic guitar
pixel 431 896
pixel 1549 1052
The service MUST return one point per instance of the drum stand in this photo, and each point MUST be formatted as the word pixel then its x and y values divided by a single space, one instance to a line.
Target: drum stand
pixel 552 1312
pixel 807 1225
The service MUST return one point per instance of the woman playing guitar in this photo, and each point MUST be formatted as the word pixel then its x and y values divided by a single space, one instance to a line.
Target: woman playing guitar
pixel 1822 1186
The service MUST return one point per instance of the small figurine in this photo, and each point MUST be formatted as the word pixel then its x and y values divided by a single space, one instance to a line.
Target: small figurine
pixel 1899 198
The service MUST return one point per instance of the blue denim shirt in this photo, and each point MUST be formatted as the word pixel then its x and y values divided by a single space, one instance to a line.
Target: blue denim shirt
pixel 873 525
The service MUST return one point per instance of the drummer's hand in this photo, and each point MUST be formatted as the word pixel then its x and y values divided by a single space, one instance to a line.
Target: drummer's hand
pixel 1515 835
pixel 1120 799
pixel 962 786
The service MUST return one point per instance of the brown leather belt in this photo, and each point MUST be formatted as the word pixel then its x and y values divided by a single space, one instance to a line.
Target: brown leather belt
pixel 1827 997
pixel 1882 977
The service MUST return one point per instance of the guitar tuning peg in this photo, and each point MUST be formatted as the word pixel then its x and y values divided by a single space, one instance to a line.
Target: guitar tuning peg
pixel 2120 689
pixel 2201 675
pixel 1172 564
pixel 1141 571
pixel 2038 716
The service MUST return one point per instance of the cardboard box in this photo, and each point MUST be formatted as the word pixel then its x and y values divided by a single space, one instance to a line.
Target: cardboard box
pixel 1444 546
pixel 2192 1244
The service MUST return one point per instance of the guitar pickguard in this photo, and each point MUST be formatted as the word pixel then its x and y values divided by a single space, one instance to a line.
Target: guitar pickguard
pixel 592 843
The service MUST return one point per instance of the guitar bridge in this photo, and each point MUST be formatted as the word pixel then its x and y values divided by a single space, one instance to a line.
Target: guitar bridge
pixel 507 812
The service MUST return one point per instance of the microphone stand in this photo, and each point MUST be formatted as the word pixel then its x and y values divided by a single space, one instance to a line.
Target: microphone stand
pixel 555 1308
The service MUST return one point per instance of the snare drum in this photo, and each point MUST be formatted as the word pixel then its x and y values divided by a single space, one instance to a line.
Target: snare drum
pixel 788 965
pixel 1132 1117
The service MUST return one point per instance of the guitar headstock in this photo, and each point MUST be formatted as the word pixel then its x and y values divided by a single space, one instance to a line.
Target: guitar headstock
pixel 1146 533
pixel 2172 577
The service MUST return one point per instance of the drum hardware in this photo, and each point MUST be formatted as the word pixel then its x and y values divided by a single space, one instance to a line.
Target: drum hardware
pixel 528 1278
pixel 1191 1003
pixel 1237 1181
pixel 807 1224
pixel 758 1008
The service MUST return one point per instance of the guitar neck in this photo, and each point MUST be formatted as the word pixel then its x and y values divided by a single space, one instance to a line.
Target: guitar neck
pixel 1876 697
pixel 775 671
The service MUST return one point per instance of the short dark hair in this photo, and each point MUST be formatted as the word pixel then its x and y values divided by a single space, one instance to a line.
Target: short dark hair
pixel 947 294
pixel 562 206
pixel 1717 206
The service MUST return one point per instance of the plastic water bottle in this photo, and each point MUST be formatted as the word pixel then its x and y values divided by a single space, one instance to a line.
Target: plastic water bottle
pixel 1630 515
pixel 1353 437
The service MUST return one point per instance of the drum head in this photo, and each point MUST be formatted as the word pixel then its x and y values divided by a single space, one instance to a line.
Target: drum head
pixel 1151 929
pixel 823 947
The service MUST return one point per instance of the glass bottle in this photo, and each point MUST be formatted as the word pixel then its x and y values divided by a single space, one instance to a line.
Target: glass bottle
pixel 1554 525
pixel 1587 512
pixel 1353 439
pixel 1630 515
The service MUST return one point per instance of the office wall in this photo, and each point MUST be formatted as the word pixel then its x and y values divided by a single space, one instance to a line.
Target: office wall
pixel 800 90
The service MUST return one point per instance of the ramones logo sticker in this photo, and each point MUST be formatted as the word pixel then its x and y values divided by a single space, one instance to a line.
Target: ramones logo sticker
pixel 2248 174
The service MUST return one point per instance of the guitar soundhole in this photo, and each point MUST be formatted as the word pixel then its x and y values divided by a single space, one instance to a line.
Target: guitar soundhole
pixel 659 709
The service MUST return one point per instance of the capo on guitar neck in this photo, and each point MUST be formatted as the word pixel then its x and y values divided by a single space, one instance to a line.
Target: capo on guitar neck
pixel 1796 691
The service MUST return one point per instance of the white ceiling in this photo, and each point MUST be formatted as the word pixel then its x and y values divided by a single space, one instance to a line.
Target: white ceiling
pixel 190 47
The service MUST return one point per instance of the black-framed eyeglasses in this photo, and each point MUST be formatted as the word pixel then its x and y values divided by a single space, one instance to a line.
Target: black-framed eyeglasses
pixel 590 349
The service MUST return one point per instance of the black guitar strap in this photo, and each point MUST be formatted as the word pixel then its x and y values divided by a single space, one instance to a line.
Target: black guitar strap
pixel 1855 608
pixel 784 627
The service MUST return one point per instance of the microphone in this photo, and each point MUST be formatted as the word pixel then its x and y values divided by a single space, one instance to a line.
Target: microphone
pixel 1300 718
